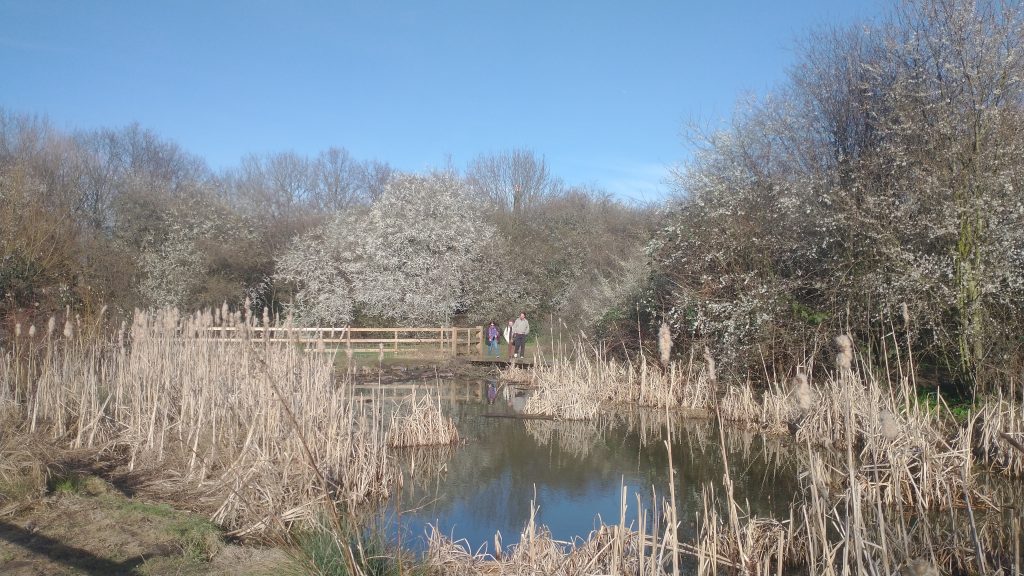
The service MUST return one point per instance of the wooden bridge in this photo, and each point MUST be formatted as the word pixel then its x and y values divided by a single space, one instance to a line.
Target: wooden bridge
pixel 452 340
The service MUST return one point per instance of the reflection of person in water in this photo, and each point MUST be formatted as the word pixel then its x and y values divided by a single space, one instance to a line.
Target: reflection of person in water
pixel 492 392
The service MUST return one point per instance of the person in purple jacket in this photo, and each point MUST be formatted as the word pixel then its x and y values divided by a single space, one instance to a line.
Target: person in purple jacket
pixel 492 339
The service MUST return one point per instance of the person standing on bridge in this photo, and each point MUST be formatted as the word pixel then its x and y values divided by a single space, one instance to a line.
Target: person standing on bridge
pixel 507 334
pixel 520 329
pixel 492 339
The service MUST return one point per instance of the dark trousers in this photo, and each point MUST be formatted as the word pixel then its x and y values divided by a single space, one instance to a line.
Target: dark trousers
pixel 520 344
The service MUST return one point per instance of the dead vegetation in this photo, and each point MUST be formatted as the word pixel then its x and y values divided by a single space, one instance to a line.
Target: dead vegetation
pixel 261 432
pixel 576 387
pixel 264 437
pixel 873 457
pixel 418 421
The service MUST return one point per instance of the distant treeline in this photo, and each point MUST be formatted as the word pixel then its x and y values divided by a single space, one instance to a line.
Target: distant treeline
pixel 125 219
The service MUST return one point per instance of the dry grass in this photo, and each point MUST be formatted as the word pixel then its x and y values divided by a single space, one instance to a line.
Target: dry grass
pixel 1000 435
pixel 261 429
pixel 609 549
pixel 418 421
pixel 576 387
pixel 515 375
pixel 739 405
pixel 889 486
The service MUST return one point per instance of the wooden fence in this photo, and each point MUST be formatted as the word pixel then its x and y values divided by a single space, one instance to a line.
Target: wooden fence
pixel 445 339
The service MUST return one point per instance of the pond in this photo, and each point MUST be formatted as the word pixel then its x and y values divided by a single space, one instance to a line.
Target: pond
pixel 575 472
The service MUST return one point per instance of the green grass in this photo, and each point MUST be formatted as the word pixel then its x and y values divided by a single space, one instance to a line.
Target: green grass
pixel 960 408
pixel 69 483
pixel 198 538
pixel 332 551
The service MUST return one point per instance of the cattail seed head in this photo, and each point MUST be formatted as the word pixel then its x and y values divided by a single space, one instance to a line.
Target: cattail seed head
pixel 844 359
pixel 801 395
pixel 664 343
pixel 905 312
pixel 888 425
pixel 17 330
pixel 32 331
pixel 51 326
pixel 69 330
pixel 709 361
pixel 920 567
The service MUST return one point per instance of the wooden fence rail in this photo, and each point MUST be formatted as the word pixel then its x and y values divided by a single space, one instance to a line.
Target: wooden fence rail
pixel 452 340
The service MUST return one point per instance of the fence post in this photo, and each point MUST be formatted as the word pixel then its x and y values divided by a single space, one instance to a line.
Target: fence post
pixel 480 344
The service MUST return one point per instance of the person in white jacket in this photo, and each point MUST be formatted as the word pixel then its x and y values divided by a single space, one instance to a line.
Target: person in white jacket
pixel 507 335
pixel 520 329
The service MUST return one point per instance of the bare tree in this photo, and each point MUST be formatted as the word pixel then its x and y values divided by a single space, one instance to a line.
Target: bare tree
pixel 514 181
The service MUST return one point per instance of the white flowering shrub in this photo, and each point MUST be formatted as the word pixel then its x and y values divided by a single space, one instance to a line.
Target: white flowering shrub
pixel 886 174
pixel 200 253
pixel 406 260
pixel 324 266
pixel 420 241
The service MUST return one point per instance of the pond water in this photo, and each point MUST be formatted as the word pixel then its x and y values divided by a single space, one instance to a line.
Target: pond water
pixel 575 472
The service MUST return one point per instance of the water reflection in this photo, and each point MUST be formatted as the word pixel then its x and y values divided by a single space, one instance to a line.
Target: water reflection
pixel 574 470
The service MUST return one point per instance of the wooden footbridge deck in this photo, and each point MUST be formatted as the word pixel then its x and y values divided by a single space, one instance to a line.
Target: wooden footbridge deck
pixel 503 361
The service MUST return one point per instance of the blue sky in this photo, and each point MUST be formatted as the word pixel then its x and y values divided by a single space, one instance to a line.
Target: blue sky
pixel 601 89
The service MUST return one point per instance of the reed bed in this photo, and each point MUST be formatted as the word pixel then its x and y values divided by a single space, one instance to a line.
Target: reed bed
pixel 644 550
pixel 516 375
pixel 575 388
pixel 873 535
pixel 742 542
pixel 260 429
pixel 419 421
pixel 739 406
pixel 890 486
pixel 1000 435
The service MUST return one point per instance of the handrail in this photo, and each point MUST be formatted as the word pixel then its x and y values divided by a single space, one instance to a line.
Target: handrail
pixel 452 340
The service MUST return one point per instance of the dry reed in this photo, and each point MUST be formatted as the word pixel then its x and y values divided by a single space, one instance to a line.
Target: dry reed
pixel 419 421
pixel 577 386
pixel 1000 434
pixel 516 375
pixel 261 429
